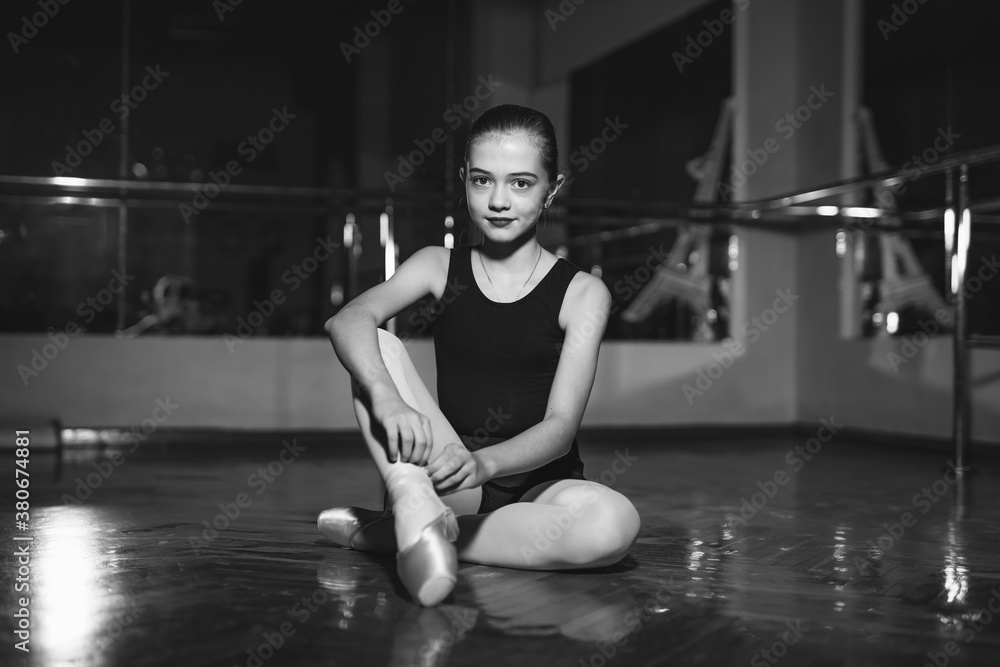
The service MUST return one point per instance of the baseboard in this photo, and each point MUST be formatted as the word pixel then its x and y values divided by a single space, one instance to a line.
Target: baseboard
pixel 908 440
pixel 54 436
pixel 722 433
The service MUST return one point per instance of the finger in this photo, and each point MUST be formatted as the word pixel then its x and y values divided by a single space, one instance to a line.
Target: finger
pixel 442 457
pixel 445 470
pixel 445 462
pixel 433 466
pixel 392 442
pixel 461 486
pixel 405 442
pixel 426 423
pixel 419 454
pixel 442 465
pixel 454 479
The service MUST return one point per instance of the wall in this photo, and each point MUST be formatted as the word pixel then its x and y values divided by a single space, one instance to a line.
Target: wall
pixel 297 383
pixel 780 54
pixel 798 370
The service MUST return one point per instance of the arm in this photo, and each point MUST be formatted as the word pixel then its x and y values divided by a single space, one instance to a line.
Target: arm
pixel 586 312
pixel 355 341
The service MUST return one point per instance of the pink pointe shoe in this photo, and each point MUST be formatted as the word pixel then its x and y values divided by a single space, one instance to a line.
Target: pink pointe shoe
pixel 428 568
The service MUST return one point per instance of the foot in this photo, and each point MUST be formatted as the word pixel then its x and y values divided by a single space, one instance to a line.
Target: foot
pixel 359 528
pixel 428 568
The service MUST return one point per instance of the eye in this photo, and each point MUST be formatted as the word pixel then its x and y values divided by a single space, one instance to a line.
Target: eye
pixel 480 180
pixel 522 184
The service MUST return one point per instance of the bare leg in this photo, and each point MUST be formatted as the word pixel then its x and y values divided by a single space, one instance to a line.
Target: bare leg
pixel 415 393
pixel 561 525
pixel 565 524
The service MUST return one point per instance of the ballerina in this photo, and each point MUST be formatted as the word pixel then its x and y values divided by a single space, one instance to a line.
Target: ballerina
pixel 491 473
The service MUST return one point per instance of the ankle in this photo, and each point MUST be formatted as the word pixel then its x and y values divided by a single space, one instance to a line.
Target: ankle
pixel 410 489
pixel 415 503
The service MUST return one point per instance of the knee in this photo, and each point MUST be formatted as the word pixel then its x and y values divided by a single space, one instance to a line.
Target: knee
pixel 607 531
pixel 619 526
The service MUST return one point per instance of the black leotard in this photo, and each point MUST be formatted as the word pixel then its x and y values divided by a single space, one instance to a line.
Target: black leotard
pixel 495 366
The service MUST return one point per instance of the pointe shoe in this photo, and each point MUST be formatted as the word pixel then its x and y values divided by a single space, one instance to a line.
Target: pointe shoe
pixel 348 527
pixel 428 568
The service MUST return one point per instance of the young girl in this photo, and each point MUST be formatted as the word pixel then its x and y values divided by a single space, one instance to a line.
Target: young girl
pixel 516 346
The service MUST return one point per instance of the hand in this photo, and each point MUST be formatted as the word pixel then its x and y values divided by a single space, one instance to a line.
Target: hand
pixel 455 469
pixel 408 433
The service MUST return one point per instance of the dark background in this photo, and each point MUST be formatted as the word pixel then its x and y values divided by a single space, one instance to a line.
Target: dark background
pixel 226 76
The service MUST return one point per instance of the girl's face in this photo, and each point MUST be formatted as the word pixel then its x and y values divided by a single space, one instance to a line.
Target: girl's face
pixel 507 186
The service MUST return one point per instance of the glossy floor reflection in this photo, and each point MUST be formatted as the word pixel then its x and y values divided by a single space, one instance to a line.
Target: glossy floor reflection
pixel 198 556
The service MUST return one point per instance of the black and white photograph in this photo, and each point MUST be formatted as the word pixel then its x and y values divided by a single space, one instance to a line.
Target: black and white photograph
pixel 447 333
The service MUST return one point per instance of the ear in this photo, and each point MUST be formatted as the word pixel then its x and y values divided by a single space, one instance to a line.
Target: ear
pixel 461 173
pixel 553 189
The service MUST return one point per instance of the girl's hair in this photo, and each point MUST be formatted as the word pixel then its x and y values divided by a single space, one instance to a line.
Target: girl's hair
pixel 508 119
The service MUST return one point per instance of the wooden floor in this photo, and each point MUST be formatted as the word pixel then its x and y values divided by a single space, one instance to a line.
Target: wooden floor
pixel 130 575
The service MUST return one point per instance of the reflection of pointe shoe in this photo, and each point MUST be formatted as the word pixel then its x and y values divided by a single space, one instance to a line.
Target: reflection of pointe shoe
pixel 426 637
pixel 429 566
pixel 358 528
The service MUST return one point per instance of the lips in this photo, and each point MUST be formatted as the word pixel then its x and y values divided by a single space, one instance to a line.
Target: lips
pixel 500 222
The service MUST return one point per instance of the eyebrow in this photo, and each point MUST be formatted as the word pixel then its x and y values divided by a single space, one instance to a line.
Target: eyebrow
pixel 517 173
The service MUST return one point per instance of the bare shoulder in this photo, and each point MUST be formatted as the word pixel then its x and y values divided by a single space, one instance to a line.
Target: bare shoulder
pixel 587 299
pixel 432 255
pixel 432 262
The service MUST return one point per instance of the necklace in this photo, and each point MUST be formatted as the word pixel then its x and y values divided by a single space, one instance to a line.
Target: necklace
pixel 493 287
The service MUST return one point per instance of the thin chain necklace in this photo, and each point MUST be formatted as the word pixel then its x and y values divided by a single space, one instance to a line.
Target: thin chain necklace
pixel 493 287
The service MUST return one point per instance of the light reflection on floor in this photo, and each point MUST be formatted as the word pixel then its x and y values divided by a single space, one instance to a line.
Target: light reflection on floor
pixel 73 591
pixel 116 581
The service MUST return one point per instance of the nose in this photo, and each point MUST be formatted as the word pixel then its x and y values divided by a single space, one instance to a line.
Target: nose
pixel 499 201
